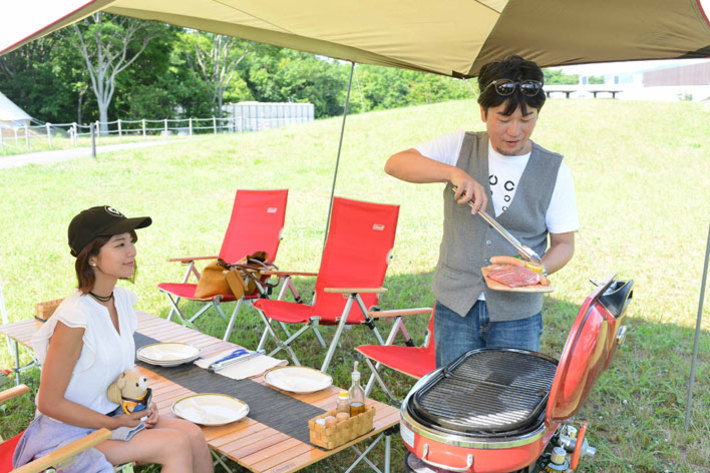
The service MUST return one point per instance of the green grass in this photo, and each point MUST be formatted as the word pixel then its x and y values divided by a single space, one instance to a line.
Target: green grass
pixel 641 172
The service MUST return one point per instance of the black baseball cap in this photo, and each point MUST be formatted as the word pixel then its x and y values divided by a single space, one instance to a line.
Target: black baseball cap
pixel 100 221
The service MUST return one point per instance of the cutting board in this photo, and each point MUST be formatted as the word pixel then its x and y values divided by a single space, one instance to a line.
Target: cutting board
pixel 496 286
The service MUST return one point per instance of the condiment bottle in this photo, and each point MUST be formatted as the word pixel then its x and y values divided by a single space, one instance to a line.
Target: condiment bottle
pixel 343 402
pixel 357 394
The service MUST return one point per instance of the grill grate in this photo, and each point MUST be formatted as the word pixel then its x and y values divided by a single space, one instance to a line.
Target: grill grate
pixel 488 390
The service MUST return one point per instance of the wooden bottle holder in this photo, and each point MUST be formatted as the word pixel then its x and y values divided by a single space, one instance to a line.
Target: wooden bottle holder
pixel 342 432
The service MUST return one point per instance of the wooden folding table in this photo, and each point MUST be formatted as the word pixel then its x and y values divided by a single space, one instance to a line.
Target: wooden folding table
pixel 273 438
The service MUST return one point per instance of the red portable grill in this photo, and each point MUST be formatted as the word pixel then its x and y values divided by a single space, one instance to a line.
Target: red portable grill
pixel 504 410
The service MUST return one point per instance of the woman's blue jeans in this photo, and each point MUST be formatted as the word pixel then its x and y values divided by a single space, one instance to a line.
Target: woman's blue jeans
pixel 455 335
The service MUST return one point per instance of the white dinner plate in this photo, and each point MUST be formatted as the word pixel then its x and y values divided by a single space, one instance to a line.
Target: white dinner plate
pixel 298 379
pixel 168 354
pixel 210 409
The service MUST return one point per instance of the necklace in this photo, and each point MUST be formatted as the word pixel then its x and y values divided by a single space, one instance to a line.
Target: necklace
pixel 102 298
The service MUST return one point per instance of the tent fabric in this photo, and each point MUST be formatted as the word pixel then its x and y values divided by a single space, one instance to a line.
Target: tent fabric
pixel 452 37
pixel 9 112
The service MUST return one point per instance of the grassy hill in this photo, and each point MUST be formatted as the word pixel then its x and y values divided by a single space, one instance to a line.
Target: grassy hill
pixel 641 174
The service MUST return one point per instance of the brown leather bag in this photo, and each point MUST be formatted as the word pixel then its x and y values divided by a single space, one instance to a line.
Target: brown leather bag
pixel 240 279
pixel 244 277
pixel 212 281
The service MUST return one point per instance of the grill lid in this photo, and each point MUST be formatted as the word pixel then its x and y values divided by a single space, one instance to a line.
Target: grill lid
pixel 486 391
pixel 587 351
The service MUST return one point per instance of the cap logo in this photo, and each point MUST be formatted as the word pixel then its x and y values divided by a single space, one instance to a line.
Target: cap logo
pixel 112 211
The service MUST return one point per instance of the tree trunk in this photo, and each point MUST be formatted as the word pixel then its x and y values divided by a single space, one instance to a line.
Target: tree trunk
pixel 80 105
pixel 113 45
pixel 103 117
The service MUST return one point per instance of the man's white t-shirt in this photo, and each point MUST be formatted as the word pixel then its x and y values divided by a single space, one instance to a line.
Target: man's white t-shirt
pixel 504 175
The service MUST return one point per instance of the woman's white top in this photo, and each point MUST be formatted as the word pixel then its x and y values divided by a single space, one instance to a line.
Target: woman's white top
pixel 105 354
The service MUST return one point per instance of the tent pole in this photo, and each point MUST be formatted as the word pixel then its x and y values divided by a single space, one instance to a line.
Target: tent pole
pixel 689 406
pixel 337 160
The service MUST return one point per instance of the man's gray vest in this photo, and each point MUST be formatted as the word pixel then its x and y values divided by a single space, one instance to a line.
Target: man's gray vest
pixel 469 242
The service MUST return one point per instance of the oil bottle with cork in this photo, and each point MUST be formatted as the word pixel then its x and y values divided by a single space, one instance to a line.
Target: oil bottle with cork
pixel 356 394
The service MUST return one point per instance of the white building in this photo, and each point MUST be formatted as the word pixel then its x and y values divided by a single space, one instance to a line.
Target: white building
pixel 668 80
pixel 255 116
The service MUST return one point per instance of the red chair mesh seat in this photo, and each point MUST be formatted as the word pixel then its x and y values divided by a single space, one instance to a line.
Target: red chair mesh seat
pixel 412 361
pixel 7 449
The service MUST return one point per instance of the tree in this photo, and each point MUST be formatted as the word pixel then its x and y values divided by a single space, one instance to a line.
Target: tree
pixel 285 75
pixel 108 45
pixel 38 79
pixel 556 76
pixel 215 58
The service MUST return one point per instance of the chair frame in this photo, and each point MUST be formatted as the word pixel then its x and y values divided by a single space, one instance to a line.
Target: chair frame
pixel 212 302
pixel 13 346
pixel 353 296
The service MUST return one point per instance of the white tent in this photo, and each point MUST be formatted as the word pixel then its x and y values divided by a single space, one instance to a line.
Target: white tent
pixel 12 116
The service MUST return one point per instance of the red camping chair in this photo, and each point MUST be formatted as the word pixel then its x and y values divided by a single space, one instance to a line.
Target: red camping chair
pixel 255 225
pixel 352 270
pixel 52 460
pixel 410 360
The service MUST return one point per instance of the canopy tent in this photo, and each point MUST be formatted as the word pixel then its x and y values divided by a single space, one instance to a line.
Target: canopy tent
pixel 452 37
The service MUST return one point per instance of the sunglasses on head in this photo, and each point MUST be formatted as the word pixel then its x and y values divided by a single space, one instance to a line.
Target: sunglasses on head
pixel 506 87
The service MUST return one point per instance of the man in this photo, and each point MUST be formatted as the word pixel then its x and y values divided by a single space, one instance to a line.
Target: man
pixel 531 194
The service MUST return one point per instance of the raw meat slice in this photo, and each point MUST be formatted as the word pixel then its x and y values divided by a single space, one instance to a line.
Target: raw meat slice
pixel 514 276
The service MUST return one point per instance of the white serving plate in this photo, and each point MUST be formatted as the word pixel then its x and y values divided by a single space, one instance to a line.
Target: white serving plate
pixel 168 354
pixel 298 379
pixel 210 409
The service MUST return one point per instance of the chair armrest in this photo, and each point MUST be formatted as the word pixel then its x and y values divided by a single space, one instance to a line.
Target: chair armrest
pixel 13 392
pixel 353 290
pixel 61 455
pixel 281 274
pixel 380 314
pixel 189 259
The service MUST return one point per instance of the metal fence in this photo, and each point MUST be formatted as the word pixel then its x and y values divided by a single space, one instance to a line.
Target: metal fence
pixel 240 117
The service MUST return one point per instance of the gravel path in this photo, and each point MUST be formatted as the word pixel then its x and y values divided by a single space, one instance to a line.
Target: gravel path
pixel 44 157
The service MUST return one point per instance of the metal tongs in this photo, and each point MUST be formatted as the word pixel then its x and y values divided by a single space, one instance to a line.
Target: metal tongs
pixel 524 250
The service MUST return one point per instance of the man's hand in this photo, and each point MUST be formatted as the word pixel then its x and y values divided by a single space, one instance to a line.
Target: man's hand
pixel 467 189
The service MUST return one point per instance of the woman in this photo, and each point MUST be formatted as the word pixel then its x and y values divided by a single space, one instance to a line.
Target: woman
pixel 85 346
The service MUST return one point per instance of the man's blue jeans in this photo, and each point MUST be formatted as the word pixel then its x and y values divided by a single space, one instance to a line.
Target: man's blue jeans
pixel 455 335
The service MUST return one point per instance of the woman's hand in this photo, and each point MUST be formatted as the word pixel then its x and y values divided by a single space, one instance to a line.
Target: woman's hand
pixel 128 420
pixel 152 419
